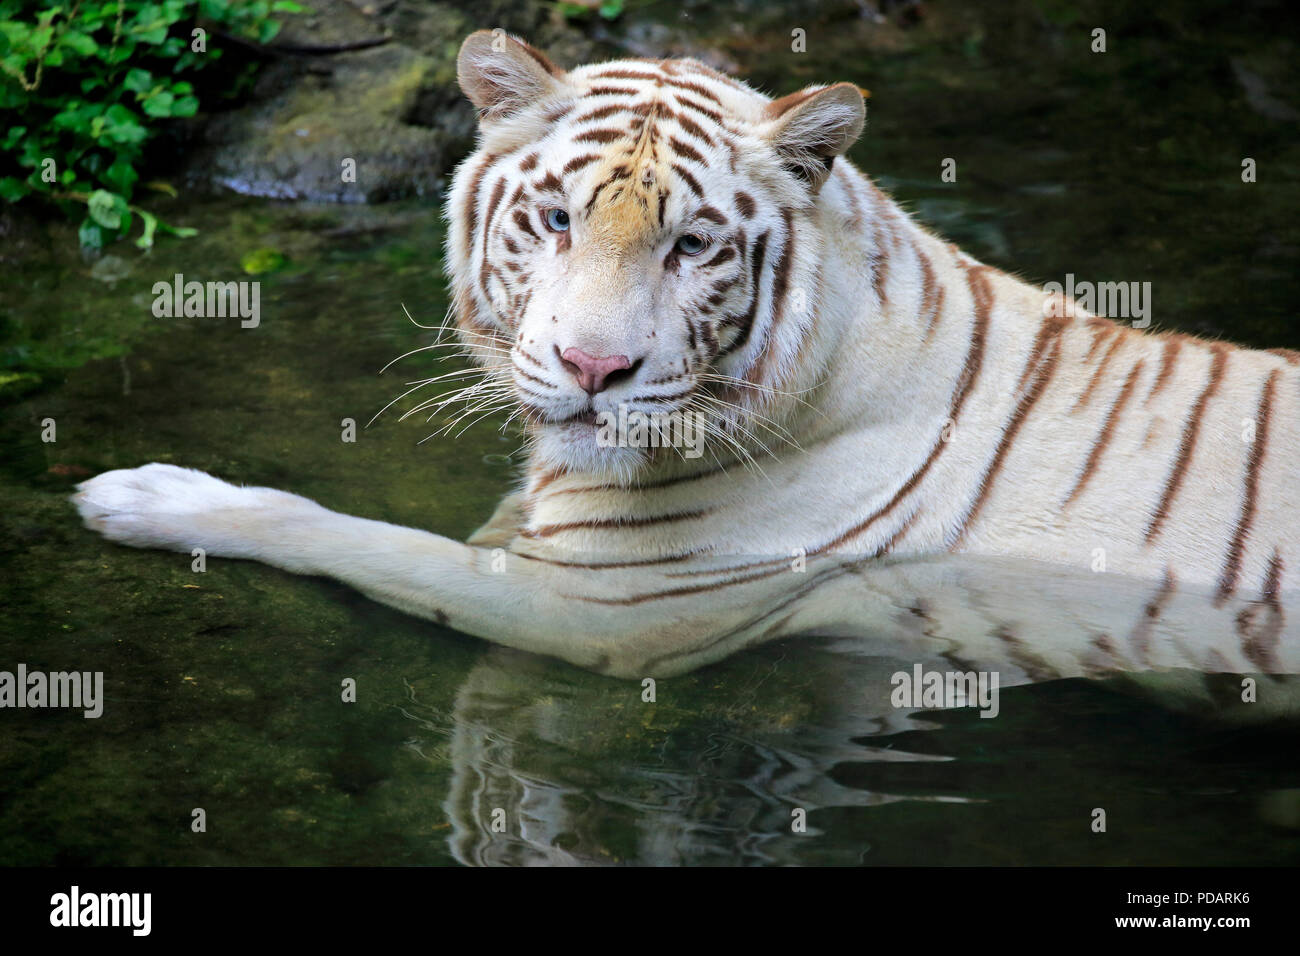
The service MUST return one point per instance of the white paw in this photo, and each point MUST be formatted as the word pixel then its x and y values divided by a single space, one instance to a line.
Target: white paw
pixel 163 506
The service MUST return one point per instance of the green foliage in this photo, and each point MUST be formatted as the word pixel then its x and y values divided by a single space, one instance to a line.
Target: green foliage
pixel 89 82
pixel 607 9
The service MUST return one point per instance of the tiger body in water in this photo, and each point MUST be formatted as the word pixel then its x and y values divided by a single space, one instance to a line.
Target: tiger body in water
pixel 656 236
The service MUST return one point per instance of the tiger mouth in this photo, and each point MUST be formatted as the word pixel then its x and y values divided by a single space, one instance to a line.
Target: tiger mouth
pixel 581 418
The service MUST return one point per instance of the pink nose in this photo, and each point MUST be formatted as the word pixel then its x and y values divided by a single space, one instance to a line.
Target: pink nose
pixel 592 373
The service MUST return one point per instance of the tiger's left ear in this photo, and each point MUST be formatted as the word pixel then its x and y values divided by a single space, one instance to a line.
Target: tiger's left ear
pixel 810 128
pixel 501 74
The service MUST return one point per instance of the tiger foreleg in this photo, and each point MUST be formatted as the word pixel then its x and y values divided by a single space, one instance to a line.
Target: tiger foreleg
pixel 486 592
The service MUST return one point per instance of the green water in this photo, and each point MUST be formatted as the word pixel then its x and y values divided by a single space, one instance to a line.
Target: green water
pixel 223 688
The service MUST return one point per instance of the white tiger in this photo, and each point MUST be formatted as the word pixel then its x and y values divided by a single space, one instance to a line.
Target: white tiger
pixel 653 236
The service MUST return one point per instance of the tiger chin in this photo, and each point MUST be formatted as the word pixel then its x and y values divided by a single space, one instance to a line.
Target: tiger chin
pixel 891 429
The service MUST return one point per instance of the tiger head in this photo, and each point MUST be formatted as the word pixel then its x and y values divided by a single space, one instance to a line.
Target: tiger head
pixel 636 237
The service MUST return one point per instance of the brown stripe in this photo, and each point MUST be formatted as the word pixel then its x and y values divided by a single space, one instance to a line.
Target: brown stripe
pixel 700 108
pixel 578 162
pixel 601 112
pixel 1187 446
pixel 1260 643
pixel 550 182
pixel 471 201
pixel 693 128
pixel 695 88
pixel 690 180
pixel 529 162
pixel 712 214
pixel 1168 357
pixel 613 524
pixel 725 254
pixel 1018 419
pixel 1035 667
pixel 746 322
pixel 557 113
pixel 1100 333
pixel 732 569
pixel 780 107
pixel 612 91
pixel 855 201
pixel 684 149
pixel 879 268
pixel 745 203
pixel 780 285
pixel 647 486
pixel 1249 503
pixel 930 292
pixel 1292 357
pixel 746 627
pixel 617 74
pixel 683 591
pixel 1273 580
pixel 542 59
pixel 1140 638
pixel 497 192
pixel 545 478
pixel 1048 329
pixel 1103 439
pixel 605 565
pixel 1098 372
pixel 521 220
pixel 982 303
pixel 600 135
pixel 532 378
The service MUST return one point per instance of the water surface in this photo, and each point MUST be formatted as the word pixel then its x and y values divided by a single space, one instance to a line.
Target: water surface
pixel 224 687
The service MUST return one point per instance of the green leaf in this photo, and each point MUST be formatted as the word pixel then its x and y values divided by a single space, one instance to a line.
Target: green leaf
pixel 121 176
pixel 13 189
pixel 285 6
pixel 158 105
pixel 13 136
pixel 150 225
pixel 138 81
pixel 106 208
pixel 79 42
pixel 185 106
pixel 259 261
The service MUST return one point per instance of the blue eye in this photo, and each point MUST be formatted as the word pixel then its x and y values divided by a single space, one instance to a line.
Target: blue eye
pixel 557 220
pixel 691 245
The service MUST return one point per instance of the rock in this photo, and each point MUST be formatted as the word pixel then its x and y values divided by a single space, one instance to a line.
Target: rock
pixel 389 109
pixel 329 26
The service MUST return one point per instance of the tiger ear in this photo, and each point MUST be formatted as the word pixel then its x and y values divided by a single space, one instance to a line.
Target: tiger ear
pixel 810 128
pixel 501 74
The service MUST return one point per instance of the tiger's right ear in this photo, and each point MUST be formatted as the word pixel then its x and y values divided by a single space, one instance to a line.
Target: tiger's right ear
pixel 501 74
